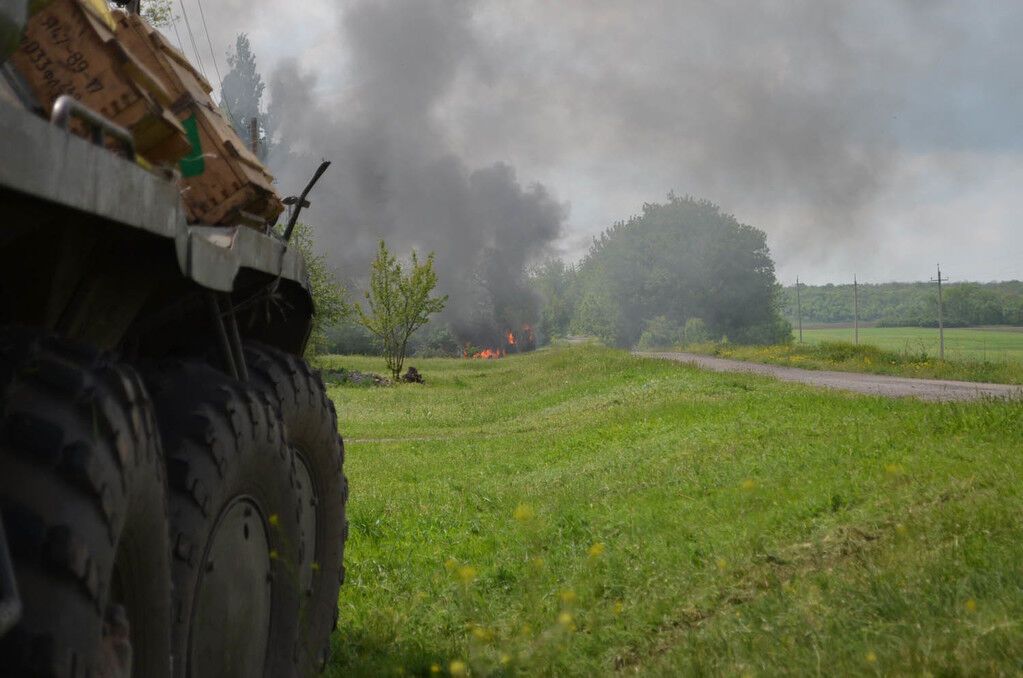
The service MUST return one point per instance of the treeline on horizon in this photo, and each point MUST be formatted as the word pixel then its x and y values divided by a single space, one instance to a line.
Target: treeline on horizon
pixel 912 304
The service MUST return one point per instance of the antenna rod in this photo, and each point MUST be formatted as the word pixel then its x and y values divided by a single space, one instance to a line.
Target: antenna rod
pixel 301 201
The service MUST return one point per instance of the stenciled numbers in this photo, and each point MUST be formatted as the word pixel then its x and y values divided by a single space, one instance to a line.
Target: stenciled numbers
pixel 63 68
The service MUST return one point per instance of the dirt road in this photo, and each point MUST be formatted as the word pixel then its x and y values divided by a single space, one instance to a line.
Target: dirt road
pixel 874 384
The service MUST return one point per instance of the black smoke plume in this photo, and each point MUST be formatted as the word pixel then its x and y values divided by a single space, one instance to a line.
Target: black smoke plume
pixel 394 176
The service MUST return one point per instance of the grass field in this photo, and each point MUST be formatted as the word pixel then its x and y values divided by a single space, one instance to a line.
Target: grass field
pixel 971 354
pixel 974 344
pixel 581 512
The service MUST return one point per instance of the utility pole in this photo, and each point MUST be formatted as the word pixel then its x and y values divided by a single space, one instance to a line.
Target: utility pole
pixel 254 135
pixel 941 316
pixel 799 311
pixel 856 311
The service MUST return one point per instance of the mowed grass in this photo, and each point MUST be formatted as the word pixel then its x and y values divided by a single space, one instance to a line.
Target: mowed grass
pixel 578 511
pixel 961 343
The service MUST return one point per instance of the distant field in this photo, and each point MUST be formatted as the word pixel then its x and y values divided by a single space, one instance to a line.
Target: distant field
pixel 985 344
pixel 579 512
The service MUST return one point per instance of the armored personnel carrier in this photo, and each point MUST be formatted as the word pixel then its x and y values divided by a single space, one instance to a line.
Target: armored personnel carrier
pixel 172 496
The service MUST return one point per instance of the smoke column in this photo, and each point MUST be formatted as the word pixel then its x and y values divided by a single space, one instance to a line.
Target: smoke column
pixel 394 176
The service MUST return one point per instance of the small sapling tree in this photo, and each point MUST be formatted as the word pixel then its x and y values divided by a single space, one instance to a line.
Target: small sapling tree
pixel 399 304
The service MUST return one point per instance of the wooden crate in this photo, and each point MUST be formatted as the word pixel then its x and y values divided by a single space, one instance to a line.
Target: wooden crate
pixel 222 182
pixel 69 47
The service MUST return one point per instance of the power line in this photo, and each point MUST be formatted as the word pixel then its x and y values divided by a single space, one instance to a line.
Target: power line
pixel 209 42
pixel 174 23
pixel 188 27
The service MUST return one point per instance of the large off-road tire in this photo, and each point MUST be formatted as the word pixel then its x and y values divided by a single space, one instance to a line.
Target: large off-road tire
pixel 235 524
pixel 83 502
pixel 311 429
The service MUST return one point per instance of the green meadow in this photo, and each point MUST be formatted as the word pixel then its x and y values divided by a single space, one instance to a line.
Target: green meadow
pixel 579 511
pixel 961 343
pixel 971 354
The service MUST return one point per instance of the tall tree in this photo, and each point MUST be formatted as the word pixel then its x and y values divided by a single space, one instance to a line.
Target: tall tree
pixel 242 95
pixel 399 303
pixel 680 260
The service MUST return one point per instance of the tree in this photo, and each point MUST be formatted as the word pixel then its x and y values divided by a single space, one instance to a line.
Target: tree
pixel 241 96
pixel 680 260
pixel 328 293
pixel 158 13
pixel 554 281
pixel 399 304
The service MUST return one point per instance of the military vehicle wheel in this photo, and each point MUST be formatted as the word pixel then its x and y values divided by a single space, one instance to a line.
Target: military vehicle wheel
pixel 310 423
pixel 235 517
pixel 83 502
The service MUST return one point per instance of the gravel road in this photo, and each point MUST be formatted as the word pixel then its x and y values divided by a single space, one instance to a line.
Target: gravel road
pixel 874 384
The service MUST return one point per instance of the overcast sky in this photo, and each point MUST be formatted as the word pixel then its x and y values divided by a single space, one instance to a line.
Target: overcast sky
pixel 868 137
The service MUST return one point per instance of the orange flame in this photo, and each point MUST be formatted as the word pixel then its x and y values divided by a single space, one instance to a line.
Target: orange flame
pixel 511 338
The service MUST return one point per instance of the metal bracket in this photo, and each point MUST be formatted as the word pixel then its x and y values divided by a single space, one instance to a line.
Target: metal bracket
pixel 229 337
pixel 10 601
pixel 67 107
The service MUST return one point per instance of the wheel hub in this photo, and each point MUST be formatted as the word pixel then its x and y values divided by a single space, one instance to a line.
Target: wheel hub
pixel 231 611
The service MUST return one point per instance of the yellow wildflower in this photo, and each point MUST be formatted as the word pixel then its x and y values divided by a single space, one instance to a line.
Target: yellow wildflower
pixel 524 513
pixel 568 596
pixel 871 657
pixel 618 607
pixel 971 605
pixel 434 669
pixel 565 619
pixel 505 658
pixel 481 634
pixel 458 668
pixel 722 564
pixel 274 520
pixel 596 550
pixel 467 574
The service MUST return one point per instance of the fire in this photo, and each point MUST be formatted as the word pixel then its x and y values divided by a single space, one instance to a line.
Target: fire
pixel 485 354
pixel 519 341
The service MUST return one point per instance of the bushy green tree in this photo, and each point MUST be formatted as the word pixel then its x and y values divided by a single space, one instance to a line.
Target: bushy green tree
pixel 329 295
pixel 398 303
pixel 554 281
pixel 695 331
pixel 660 332
pixel 682 259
